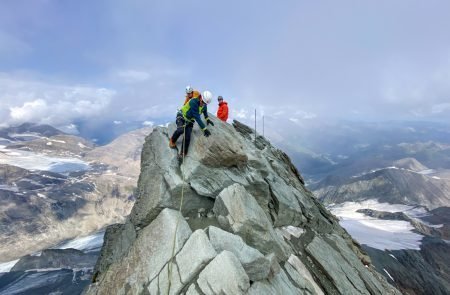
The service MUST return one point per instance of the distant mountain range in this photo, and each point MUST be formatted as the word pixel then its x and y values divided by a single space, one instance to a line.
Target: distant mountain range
pixel 350 148
pixel 28 129
pixel 55 186
pixel 388 212
pixel 392 184
pixel 390 187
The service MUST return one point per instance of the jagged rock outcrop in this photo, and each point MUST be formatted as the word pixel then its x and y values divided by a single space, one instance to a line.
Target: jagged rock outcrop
pixel 247 225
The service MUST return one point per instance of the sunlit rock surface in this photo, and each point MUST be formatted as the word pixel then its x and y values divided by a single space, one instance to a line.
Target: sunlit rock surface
pixel 238 187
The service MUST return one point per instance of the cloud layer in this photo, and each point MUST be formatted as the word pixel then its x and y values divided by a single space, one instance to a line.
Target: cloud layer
pixel 296 60
pixel 55 104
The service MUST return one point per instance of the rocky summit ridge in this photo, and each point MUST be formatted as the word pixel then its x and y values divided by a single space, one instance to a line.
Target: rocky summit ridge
pixel 247 225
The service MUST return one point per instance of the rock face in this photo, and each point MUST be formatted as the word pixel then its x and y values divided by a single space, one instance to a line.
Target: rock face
pixel 255 264
pixel 431 273
pixel 247 225
pixel 426 271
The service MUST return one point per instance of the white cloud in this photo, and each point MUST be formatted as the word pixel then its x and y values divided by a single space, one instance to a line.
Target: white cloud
pixel 148 123
pixel 28 111
pixel 279 113
pixel 133 76
pixel 436 110
pixel 305 115
pixel 71 128
pixel 117 122
pixel 403 65
pixel 421 92
pixel 25 100
pixel 239 114
pixel 154 110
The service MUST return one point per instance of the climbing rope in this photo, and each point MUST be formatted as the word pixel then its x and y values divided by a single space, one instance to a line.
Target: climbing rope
pixel 181 205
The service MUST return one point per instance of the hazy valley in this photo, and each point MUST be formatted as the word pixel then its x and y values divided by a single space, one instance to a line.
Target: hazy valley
pixel 56 186
pixel 390 187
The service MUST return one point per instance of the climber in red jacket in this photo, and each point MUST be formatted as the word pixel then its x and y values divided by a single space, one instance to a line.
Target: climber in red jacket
pixel 222 112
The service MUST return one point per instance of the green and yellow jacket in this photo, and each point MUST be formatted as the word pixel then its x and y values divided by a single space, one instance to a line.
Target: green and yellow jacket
pixel 192 111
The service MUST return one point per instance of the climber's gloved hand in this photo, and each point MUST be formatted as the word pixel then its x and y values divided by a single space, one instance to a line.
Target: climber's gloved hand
pixel 209 122
pixel 206 132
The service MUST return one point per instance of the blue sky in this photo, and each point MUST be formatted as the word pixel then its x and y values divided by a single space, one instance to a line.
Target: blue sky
pixel 65 61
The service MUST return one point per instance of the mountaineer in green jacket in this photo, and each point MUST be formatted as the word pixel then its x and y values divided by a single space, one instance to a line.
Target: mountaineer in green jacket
pixel 187 116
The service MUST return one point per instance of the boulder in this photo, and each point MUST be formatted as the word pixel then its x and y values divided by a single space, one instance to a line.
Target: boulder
pixel 148 255
pixel 210 182
pixel 279 284
pixel 298 272
pixel 221 150
pixel 161 284
pixel 288 232
pixel 192 258
pixel 289 211
pixel 239 212
pixel 255 264
pixel 224 275
pixel 197 253
pixel 160 183
pixel 301 282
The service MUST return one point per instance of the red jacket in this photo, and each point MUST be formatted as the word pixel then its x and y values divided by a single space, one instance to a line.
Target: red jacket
pixel 222 112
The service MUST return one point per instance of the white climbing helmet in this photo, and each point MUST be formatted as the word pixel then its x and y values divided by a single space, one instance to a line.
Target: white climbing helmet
pixel 207 97
pixel 189 89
